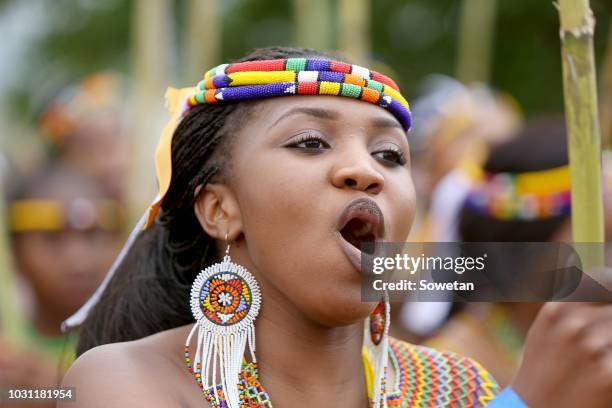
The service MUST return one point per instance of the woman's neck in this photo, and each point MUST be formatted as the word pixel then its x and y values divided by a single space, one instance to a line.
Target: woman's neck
pixel 301 360
pixel 47 320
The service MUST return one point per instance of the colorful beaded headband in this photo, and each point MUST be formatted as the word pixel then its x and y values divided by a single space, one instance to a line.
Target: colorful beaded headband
pixel 522 196
pixel 300 76
pixel 52 215
pixel 273 78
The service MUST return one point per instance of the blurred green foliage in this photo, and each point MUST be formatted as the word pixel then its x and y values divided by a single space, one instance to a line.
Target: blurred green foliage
pixel 414 37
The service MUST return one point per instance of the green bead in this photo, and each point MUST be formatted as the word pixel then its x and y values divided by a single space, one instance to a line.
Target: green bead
pixel 295 64
pixel 350 90
pixel 374 85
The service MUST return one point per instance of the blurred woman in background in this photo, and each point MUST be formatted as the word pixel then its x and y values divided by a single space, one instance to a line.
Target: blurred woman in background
pixel 65 232
pixel 523 196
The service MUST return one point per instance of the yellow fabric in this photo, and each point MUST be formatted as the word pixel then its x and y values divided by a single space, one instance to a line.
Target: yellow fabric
pixel 544 182
pixel 163 155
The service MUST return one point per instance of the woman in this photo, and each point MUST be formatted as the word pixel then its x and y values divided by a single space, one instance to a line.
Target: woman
pixel 493 334
pixel 64 235
pixel 293 185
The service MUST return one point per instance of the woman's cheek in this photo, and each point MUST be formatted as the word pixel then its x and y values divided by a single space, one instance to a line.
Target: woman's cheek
pixel 404 208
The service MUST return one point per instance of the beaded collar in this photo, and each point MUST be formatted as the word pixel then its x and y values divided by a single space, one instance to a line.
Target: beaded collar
pixel 424 378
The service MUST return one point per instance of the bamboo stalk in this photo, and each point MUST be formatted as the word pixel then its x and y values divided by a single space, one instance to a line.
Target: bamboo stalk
pixel 354 29
pixel 475 40
pixel 203 38
pixel 581 110
pixel 11 318
pixel 151 40
pixel 606 95
pixel 313 23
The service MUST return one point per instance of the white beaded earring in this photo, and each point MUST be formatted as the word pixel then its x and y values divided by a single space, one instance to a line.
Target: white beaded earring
pixel 225 300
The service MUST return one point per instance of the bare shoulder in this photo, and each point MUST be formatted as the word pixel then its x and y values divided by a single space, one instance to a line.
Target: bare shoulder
pixel 110 376
pixel 143 372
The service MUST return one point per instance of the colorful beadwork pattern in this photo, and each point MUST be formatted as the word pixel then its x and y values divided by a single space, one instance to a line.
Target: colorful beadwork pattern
pixel 522 196
pixel 225 298
pixel 432 378
pixel 377 323
pixel 424 378
pixel 300 76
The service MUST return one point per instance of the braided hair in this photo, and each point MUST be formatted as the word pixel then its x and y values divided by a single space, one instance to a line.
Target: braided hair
pixel 150 290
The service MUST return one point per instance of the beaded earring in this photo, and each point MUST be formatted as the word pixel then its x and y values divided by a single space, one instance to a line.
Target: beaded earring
pixel 376 342
pixel 225 300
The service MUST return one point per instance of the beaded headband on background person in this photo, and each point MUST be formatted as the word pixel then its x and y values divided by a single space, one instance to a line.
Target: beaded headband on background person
pixel 48 215
pixel 250 80
pixel 523 196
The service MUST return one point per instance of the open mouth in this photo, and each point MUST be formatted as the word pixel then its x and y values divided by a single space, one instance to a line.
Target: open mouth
pixel 361 225
pixel 360 234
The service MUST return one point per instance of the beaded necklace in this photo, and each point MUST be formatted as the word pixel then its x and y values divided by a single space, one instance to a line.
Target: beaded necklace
pixel 252 393
pixel 424 378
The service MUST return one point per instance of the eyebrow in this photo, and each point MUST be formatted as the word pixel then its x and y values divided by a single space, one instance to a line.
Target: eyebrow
pixel 378 122
pixel 385 123
pixel 315 112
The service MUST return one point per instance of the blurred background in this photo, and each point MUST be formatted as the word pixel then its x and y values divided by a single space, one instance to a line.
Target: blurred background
pixel 81 109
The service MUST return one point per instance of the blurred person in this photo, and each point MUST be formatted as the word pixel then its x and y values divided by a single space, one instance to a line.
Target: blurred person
pixel 85 124
pixel 65 233
pixel 455 128
pixel 454 124
pixel 271 196
pixel 499 208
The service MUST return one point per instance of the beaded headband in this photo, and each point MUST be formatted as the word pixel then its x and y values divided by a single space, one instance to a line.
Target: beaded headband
pixel 53 215
pixel 273 78
pixel 522 196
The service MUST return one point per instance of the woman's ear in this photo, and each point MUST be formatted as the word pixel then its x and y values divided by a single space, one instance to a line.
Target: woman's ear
pixel 218 212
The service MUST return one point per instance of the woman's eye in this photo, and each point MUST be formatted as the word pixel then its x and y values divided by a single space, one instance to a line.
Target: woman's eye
pixel 311 143
pixel 391 157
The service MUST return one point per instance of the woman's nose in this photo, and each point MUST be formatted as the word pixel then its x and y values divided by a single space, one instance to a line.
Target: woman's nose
pixel 358 175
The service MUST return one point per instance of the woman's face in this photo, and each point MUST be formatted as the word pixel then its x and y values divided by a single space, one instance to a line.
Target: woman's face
pixel 65 267
pixel 298 166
